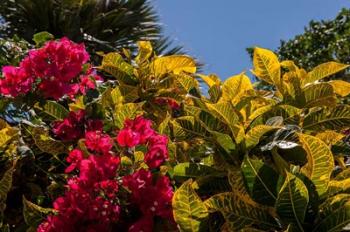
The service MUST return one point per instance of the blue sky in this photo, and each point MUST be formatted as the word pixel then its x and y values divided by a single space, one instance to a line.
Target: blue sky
pixel 217 32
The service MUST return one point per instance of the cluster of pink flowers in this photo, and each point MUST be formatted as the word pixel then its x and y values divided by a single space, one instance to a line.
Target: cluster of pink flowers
pixel 92 201
pixel 153 199
pixel 74 126
pixel 55 70
pixel 139 132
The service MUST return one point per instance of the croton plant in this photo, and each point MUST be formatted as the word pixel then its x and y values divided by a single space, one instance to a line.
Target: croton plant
pixel 144 143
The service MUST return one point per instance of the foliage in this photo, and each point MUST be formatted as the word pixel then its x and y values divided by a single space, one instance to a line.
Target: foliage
pixel 237 158
pixel 102 25
pixel 321 42
pixel 273 146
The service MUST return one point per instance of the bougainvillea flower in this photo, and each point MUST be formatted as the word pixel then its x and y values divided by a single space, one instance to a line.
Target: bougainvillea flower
pixel 74 158
pixel 56 68
pixel 142 126
pixel 98 142
pixel 153 199
pixel 71 127
pixel 128 138
pixel 15 81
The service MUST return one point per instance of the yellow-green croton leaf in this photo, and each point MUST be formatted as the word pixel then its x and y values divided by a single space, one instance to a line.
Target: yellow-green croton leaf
pixel 320 162
pixel 173 64
pixel 189 211
pixel 145 51
pixel 340 87
pixel 240 211
pixel 266 66
pixel 324 70
pixel 292 201
pixel 235 87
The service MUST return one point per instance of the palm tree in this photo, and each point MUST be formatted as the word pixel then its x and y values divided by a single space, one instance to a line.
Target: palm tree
pixel 103 25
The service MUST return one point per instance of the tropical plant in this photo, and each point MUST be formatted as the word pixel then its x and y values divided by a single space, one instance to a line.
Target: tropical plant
pixel 105 25
pixel 45 150
pixel 278 158
pixel 238 158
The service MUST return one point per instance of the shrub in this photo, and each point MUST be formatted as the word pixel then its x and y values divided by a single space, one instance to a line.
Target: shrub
pixel 143 148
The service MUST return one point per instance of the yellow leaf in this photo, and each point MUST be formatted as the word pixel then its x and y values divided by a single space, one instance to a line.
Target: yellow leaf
pixel 240 211
pixel 329 137
pixel 290 65
pixel 266 66
pixel 114 64
pixel 253 136
pixel 260 111
pixel 189 211
pixel 6 136
pixel 186 82
pixel 320 162
pixel 210 80
pixel 235 87
pixel 340 87
pixel 47 144
pixel 229 115
pixel 145 51
pixel 324 70
pixel 78 104
pixel 338 186
pixel 173 64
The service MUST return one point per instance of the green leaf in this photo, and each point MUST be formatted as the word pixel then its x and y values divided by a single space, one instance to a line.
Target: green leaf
pixel 292 201
pixel 324 70
pixel 336 118
pixel 335 214
pixel 53 110
pixel 189 211
pixel 225 141
pixel 47 144
pixel 34 214
pixel 42 37
pixel 240 211
pixel 195 170
pixel 261 180
pixel 320 162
